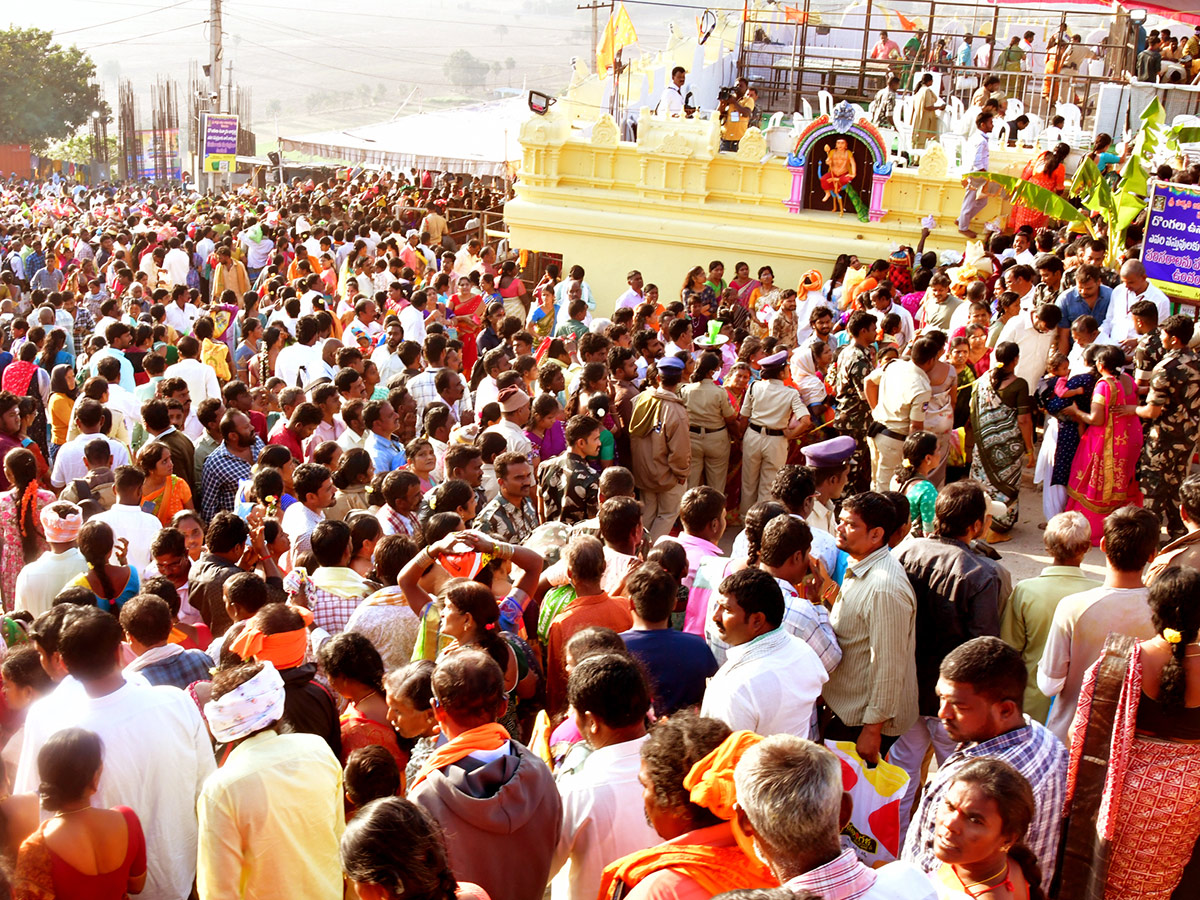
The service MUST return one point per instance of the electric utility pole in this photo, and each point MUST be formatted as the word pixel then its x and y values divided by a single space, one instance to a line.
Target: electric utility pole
pixel 595 6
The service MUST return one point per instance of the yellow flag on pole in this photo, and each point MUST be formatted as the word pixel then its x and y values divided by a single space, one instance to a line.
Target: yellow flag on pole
pixel 618 34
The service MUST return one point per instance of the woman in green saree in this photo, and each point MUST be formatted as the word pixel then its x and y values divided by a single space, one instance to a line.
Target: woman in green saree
pixel 1003 432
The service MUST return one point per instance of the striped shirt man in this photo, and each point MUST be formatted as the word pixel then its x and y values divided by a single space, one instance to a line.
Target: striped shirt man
pixel 875 623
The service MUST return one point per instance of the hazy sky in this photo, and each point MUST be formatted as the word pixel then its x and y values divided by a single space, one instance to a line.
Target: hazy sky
pixel 287 50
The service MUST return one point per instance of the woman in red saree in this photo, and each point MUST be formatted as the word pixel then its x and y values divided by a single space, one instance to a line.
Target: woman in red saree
pixel 1046 170
pixel 1104 471
pixel 467 309
pixel 355 670
pixel 687 772
pixel 1137 841
pixel 81 853
pixel 742 284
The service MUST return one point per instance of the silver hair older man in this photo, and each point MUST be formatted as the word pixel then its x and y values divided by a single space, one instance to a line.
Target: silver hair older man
pixel 791 803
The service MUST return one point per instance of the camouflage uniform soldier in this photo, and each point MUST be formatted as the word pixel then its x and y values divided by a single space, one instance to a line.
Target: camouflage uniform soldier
pixel 854 364
pixel 1146 355
pixel 1173 406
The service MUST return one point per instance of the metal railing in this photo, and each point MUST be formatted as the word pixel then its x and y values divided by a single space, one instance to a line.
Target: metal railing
pixel 791 61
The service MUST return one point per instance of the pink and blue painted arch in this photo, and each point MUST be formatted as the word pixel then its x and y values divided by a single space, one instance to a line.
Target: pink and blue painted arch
pixel 846 120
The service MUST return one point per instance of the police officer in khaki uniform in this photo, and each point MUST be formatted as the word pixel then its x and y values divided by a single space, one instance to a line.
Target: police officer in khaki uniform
pixel 710 412
pixel 773 414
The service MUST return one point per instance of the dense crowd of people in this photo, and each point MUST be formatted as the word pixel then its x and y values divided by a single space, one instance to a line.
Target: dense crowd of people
pixel 336 557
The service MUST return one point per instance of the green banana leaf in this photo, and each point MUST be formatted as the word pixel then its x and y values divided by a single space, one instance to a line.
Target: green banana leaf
pixel 1185 134
pixel 1090 185
pixel 1154 116
pixel 1134 177
pixel 1037 198
pixel 1129 207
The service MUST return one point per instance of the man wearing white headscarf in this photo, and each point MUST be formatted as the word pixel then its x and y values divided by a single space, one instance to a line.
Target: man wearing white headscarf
pixel 40 581
pixel 271 817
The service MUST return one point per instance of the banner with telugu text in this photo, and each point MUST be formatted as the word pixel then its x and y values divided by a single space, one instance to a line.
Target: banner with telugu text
pixel 1171 246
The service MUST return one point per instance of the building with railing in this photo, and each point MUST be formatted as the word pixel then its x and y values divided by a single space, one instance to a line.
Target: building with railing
pixel 670 200
pixel 611 185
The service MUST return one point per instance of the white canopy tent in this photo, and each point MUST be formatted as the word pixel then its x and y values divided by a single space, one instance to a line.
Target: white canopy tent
pixel 476 140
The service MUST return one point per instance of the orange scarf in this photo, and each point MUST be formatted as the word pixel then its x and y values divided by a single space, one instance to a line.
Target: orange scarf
pixel 284 650
pixel 485 737
pixel 715 869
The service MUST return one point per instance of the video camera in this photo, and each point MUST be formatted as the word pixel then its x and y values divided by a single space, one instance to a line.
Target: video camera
pixel 725 93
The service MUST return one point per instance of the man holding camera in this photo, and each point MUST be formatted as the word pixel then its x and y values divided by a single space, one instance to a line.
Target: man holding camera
pixel 735 109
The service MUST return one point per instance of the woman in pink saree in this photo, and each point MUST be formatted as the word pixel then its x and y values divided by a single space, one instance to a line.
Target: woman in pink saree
pixel 1104 471
pixel 1133 800
pixel 742 284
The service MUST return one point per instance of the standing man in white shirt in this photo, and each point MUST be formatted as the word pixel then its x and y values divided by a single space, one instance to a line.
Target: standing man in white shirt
pixel 771 680
pixel 975 159
pixel 635 295
pixel 181 314
pixel 314 491
pixel 1117 326
pixel 1027 46
pixel 363 325
pixel 68 463
pixel 603 812
pixel 1035 332
pixel 412 317
pixel 176 263
pixel 983 53
pixel 258 252
pixel 904 390
pixel 514 414
pixel 1083 621
pixel 673 101
pixel 157 749
pixel 201 379
pixel 40 581
pixel 387 355
pixel 127 518
pixel 298 364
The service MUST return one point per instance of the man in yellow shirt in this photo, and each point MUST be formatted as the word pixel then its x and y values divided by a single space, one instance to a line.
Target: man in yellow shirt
pixel 271 817
pixel 735 111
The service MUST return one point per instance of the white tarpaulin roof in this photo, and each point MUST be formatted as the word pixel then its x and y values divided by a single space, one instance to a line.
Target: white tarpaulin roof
pixel 476 140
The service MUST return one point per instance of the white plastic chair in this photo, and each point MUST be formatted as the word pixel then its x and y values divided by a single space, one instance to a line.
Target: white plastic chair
pixel 807 107
pixel 890 140
pixel 825 101
pixel 1014 108
pixel 775 120
pixel 1031 133
pixel 904 126
pixel 953 144
pixel 958 122
pixel 1072 121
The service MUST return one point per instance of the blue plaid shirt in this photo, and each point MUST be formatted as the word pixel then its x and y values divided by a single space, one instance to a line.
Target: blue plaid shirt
pixel 219 480
pixel 180 670
pixel 85 324
pixel 1033 751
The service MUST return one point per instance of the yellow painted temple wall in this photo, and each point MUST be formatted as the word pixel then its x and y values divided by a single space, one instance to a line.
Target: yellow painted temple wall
pixel 670 201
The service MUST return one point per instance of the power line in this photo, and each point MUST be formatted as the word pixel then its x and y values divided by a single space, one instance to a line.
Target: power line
pixel 391 57
pixel 693 6
pixel 138 37
pixel 122 19
pixel 377 17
